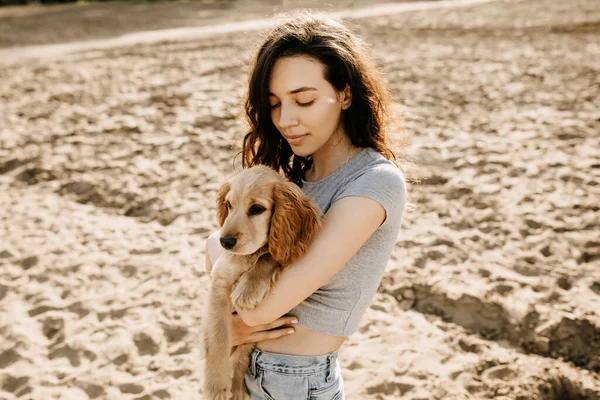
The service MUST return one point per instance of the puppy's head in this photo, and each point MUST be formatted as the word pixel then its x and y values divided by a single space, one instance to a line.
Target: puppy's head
pixel 259 207
pixel 245 207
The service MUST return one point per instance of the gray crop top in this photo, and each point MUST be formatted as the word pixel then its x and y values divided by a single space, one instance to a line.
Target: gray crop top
pixel 337 307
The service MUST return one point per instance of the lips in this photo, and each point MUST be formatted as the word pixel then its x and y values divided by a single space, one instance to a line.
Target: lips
pixel 296 139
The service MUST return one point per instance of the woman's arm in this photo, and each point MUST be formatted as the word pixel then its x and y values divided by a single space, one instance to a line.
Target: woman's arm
pixel 347 225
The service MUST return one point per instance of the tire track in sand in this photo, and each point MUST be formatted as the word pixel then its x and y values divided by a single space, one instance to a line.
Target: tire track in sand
pixel 190 33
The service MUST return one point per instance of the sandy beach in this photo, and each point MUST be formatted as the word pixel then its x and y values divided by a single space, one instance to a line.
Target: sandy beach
pixel 110 160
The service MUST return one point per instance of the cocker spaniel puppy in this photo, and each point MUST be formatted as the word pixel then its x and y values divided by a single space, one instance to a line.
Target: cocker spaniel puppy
pixel 266 223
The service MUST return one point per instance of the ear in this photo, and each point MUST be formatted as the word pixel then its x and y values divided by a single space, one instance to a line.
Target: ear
pixel 294 221
pixel 222 211
pixel 346 97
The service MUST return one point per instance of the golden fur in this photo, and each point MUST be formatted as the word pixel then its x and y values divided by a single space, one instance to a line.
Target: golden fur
pixel 278 230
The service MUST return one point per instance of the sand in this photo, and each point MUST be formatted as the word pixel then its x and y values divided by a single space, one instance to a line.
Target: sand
pixel 110 160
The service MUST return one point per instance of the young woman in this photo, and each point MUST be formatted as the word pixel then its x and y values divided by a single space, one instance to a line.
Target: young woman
pixel 318 113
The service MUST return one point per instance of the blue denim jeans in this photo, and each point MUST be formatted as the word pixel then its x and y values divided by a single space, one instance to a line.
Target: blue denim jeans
pixel 273 376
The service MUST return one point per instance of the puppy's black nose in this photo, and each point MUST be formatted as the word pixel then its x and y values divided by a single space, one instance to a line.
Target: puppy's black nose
pixel 228 242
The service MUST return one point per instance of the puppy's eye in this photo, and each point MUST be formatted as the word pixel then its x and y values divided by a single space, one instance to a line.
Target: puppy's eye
pixel 256 209
pixel 228 205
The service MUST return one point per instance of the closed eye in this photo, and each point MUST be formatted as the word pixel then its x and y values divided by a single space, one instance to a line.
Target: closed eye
pixel 255 209
pixel 274 106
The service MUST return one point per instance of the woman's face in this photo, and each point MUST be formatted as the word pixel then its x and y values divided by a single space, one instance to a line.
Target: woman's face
pixel 305 108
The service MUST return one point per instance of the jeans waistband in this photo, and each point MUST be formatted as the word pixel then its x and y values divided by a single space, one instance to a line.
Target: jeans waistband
pixel 291 364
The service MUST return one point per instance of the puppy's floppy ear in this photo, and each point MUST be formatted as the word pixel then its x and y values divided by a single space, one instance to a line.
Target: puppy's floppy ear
pixel 222 211
pixel 295 219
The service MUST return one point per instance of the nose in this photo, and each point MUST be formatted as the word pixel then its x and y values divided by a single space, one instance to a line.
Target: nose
pixel 228 242
pixel 287 117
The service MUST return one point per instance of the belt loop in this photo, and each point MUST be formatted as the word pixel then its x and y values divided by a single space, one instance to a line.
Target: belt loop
pixel 330 369
pixel 253 362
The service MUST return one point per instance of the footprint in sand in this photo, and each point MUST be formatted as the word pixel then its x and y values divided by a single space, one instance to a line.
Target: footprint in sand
pixel 502 372
pixel 146 344
pixel 17 385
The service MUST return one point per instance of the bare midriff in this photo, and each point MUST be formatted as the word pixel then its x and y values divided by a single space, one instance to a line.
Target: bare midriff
pixel 304 342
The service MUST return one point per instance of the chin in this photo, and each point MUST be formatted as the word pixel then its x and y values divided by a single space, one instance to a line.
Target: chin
pixel 301 153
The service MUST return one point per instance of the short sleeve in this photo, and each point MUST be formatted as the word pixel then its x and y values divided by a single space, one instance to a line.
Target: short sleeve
pixel 383 183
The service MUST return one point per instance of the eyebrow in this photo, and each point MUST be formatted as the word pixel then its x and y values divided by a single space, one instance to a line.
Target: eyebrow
pixel 300 89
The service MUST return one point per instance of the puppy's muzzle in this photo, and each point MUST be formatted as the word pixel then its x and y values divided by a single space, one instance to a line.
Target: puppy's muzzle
pixel 228 242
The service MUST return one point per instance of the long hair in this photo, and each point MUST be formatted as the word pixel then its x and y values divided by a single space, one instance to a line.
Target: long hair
pixel 346 60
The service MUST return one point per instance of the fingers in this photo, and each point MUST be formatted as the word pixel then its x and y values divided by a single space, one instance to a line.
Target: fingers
pixel 262 336
pixel 277 323
pixel 242 334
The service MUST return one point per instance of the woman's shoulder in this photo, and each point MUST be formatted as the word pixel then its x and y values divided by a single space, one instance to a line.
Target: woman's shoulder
pixel 377 171
pixel 379 179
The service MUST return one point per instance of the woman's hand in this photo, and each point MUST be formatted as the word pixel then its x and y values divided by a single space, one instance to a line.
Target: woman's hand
pixel 242 333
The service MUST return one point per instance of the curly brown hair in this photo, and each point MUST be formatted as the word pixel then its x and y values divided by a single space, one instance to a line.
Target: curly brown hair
pixel 346 60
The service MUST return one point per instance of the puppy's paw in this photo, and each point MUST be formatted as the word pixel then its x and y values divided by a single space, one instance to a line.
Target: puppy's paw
pixel 246 296
pixel 242 300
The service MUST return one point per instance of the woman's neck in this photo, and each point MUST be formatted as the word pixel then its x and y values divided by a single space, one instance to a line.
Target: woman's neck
pixel 331 156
